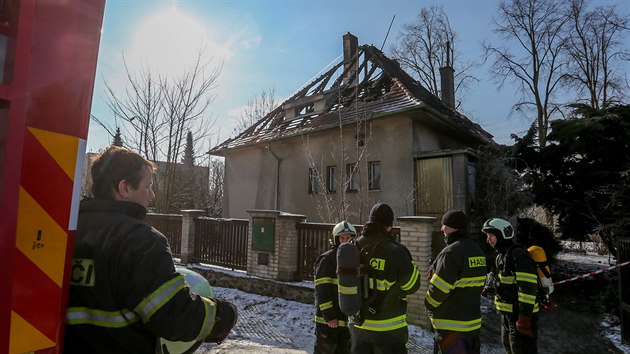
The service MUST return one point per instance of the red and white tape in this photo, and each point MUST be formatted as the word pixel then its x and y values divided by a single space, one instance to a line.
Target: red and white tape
pixel 584 276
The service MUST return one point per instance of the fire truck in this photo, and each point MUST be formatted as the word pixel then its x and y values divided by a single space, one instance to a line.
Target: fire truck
pixel 48 54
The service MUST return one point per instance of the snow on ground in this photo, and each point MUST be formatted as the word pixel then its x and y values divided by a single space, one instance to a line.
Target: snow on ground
pixel 275 325
pixel 613 332
pixel 588 258
pixel 279 326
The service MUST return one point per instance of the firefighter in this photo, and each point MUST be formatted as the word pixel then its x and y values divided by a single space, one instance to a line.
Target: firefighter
pixel 453 296
pixel 381 325
pixel 331 324
pixel 516 284
pixel 125 293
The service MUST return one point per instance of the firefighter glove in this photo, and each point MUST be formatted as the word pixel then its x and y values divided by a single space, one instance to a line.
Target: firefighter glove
pixel 225 319
pixel 524 326
pixel 488 292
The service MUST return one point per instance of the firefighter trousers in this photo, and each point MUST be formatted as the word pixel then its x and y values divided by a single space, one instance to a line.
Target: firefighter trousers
pixel 515 342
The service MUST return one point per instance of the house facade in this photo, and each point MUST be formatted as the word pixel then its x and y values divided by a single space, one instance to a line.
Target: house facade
pixel 361 133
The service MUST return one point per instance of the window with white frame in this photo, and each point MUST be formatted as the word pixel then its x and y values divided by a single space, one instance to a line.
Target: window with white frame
pixel 374 175
pixel 352 173
pixel 331 179
pixel 312 181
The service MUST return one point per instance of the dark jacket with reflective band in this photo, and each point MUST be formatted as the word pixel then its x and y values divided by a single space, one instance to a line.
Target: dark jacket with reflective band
pixel 454 293
pixel 124 291
pixel 326 294
pixel 393 276
pixel 517 282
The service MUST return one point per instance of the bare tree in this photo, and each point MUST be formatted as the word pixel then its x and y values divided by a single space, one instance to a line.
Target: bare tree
pixel 137 111
pixel 350 179
pixel 156 115
pixel 186 100
pixel 257 108
pixel 532 33
pixel 594 47
pixel 422 49
pixel 216 167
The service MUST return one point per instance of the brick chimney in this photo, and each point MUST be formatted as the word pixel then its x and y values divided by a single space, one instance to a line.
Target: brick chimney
pixel 350 62
pixel 447 76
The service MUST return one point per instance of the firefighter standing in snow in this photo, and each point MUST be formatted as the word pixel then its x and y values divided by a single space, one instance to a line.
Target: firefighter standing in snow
pixel 453 297
pixel 381 326
pixel 331 325
pixel 516 284
pixel 124 291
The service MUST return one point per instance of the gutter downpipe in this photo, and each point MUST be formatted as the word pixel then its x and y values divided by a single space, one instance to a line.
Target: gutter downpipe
pixel 268 147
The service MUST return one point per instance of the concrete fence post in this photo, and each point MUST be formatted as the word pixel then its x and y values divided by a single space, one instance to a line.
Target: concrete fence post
pixel 188 234
pixel 416 233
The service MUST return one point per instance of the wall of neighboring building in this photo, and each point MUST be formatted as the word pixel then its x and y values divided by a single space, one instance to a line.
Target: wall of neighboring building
pixel 86 180
pixel 249 182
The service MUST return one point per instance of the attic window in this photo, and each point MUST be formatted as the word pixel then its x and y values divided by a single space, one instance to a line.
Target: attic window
pixel 306 109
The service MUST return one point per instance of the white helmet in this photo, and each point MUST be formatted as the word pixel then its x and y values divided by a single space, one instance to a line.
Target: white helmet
pixel 499 227
pixel 342 228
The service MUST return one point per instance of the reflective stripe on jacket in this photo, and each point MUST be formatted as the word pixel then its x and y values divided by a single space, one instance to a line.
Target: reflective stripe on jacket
pixel 453 296
pixel 393 276
pixel 131 295
pixel 326 293
pixel 517 282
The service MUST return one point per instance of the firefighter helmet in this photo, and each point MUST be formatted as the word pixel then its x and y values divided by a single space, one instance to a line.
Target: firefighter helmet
pixel 501 227
pixel 200 286
pixel 342 228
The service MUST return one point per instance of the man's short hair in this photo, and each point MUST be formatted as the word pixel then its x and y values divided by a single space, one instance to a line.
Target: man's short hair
pixel 114 165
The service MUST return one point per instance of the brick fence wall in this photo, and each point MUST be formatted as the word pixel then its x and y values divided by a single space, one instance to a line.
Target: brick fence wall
pixel 279 261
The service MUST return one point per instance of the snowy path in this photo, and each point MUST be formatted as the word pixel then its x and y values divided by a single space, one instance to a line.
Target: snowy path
pixel 279 326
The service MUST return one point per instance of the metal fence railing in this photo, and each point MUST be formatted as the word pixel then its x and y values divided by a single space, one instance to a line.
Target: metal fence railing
pixel 221 242
pixel 313 240
pixel 624 289
pixel 171 227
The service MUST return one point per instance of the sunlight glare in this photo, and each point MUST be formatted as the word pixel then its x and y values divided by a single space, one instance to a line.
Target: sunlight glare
pixel 169 42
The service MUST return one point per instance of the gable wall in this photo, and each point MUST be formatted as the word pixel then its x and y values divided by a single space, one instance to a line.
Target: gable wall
pixel 251 172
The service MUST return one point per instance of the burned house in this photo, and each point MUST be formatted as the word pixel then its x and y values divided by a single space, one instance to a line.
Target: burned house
pixel 362 132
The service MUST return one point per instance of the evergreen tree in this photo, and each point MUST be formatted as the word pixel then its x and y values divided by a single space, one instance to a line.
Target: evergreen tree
pixel 189 152
pixel 117 138
pixel 581 176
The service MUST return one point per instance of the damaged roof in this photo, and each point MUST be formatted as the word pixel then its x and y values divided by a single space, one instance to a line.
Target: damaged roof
pixel 367 86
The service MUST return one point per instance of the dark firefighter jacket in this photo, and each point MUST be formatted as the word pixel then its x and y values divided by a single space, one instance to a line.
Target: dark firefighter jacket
pixel 393 275
pixel 124 291
pixel 517 282
pixel 326 294
pixel 454 293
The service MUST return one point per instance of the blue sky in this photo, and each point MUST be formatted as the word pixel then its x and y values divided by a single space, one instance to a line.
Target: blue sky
pixel 283 44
